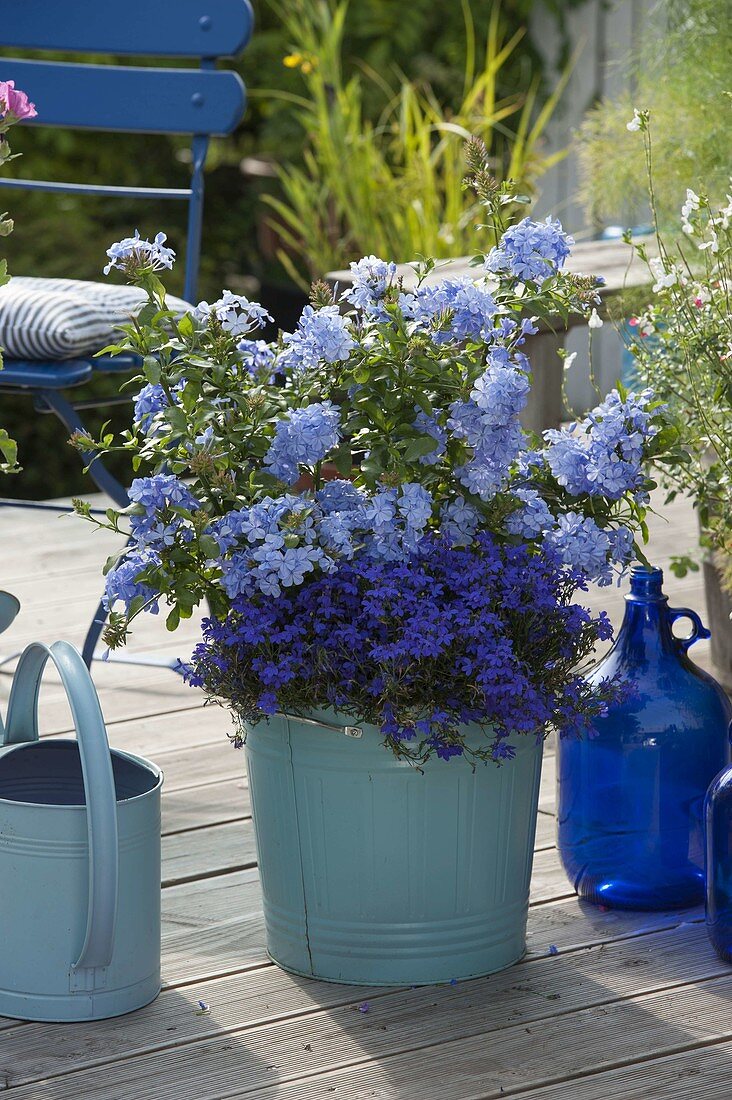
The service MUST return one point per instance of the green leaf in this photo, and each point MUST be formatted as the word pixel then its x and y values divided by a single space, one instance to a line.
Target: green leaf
pixel 136 606
pixel 173 620
pixel 112 562
pixel 423 401
pixel 177 418
pixel 209 546
pixel 343 460
pixel 423 445
pixel 185 326
pixel 8 448
pixel 151 369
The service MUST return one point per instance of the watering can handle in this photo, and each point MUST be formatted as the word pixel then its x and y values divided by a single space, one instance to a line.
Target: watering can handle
pixel 96 765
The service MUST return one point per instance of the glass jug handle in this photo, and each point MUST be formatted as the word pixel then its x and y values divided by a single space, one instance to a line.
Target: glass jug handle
pixel 698 630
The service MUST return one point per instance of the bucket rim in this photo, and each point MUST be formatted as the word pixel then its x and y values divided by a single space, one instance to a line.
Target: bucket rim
pixel 141 761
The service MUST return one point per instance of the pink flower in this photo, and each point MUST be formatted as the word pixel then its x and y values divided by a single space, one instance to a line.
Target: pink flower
pixel 15 102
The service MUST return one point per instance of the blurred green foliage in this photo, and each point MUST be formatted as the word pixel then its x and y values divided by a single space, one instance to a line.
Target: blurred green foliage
pixel 65 236
pixel 394 187
pixel 685 80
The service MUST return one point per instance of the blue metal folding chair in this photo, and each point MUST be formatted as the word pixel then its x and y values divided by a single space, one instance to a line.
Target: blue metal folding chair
pixel 197 101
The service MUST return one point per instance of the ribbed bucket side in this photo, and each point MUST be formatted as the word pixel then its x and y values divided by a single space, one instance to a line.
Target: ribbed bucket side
pixel 374 872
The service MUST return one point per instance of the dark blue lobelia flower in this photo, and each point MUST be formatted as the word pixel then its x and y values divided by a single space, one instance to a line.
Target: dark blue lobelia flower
pixel 420 647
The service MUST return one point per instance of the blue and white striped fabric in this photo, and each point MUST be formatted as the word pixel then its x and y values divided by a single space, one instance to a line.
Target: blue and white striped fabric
pixel 55 319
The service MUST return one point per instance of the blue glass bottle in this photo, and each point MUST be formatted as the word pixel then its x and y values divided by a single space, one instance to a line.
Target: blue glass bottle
pixel 718 819
pixel 630 799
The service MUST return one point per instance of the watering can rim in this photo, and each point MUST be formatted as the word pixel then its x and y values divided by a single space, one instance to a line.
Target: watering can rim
pixel 141 760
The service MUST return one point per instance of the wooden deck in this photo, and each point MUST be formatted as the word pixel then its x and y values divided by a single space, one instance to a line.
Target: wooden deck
pixel 633 1005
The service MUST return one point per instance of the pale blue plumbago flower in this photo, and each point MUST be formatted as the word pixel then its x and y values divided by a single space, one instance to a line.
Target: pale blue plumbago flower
pixel 123 582
pixel 603 455
pixel 459 521
pixel 256 355
pixel 453 310
pixel 159 525
pixel 235 313
pixel 531 520
pixel 303 438
pixel 582 545
pixel 206 438
pixel 321 336
pixel 203 1008
pixel 531 251
pixel 140 254
pixel 151 400
pixel 415 504
pixel 372 278
pixel 389 592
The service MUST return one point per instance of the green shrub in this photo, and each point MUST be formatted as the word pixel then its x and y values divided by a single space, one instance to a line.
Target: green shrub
pixel 394 186
pixel 685 82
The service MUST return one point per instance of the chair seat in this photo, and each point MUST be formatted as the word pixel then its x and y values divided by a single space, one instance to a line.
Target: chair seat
pixel 34 374
pixel 49 321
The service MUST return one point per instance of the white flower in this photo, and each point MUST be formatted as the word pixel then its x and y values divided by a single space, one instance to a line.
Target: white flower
pixel 691 206
pixel 692 202
pixel 635 122
pixel 725 215
pixel 664 278
pixel 569 359
pixel 712 244
pixel 595 320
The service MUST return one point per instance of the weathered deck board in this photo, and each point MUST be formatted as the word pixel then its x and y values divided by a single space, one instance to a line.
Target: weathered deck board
pixel 215 804
pixel 625 988
pixel 285 1014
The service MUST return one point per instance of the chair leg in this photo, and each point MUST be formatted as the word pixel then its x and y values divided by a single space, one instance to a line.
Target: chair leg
pixel 54 402
pixel 93 634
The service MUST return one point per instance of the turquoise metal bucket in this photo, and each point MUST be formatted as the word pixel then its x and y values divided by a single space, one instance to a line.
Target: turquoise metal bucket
pixel 376 873
pixel 79 859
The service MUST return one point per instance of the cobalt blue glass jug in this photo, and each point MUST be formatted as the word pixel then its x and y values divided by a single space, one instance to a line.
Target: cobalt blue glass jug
pixel 718 816
pixel 630 798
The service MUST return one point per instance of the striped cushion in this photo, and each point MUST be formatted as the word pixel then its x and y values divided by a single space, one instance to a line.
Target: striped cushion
pixel 52 319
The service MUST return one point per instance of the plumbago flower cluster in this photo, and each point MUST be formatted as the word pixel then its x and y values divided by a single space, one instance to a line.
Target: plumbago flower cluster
pixel 682 343
pixel 360 507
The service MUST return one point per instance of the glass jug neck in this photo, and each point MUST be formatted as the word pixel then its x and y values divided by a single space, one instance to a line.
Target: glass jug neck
pixel 646 625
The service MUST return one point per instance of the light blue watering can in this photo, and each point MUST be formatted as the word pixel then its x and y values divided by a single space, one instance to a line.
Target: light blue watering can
pixel 79 858
pixel 9 608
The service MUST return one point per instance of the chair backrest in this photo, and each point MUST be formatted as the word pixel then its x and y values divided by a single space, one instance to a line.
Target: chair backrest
pixel 197 101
